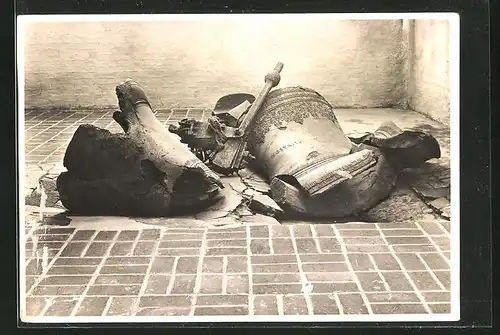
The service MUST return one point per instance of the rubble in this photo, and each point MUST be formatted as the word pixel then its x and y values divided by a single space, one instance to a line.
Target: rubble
pixel 226 203
pixel 254 180
pixel 262 203
pixel 402 205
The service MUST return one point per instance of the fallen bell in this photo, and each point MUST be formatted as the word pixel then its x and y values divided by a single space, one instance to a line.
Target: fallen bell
pixel 312 166
pixel 145 171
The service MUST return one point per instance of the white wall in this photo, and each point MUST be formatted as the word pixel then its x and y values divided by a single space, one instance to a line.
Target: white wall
pixel 429 82
pixel 193 63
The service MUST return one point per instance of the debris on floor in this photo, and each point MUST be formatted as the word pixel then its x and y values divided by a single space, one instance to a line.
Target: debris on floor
pixel 262 203
pixel 442 206
pixel 306 163
pixel 254 180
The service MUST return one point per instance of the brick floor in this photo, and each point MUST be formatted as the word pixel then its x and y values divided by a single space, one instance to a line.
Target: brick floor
pixel 259 269
pixel 305 281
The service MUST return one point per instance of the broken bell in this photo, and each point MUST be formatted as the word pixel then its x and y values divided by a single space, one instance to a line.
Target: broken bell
pixel 312 166
pixel 146 171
